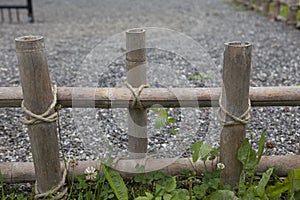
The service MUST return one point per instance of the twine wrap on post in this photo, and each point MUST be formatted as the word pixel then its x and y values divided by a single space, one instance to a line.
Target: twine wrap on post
pixel 136 93
pixel 243 119
pixel 44 117
pixel 55 193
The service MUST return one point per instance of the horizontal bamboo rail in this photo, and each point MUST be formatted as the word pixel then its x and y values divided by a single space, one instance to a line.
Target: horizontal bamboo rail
pixel 173 97
pixel 18 172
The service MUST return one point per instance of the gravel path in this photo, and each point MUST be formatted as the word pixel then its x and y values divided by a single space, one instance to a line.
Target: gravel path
pixel 72 28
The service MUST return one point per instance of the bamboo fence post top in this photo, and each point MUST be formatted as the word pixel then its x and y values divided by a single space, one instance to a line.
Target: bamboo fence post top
pixel 38 99
pixel 29 43
pixel 135 45
pixel 239 44
pixel 34 75
pixel 234 107
pixel 293 6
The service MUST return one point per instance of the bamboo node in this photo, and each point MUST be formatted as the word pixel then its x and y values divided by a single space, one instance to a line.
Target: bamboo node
pixel 243 119
pixel 46 116
pixel 136 93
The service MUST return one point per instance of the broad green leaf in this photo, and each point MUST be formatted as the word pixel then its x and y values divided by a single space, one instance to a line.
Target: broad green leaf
pixel 163 113
pixel 294 178
pixel 165 184
pixel 145 178
pixel 167 196
pixel 200 190
pixel 170 184
pixel 290 184
pixel 214 183
pixel 159 190
pixel 274 191
pixel 222 195
pixel 247 157
pixel 160 121
pixel 180 194
pixel 261 146
pixel 162 117
pixel 205 151
pixel 143 198
pixel 149 195
pixel 160 176
pixel 201 150
pixel 250 194
pixel 196 148
pixel 116 182
pixel 263 182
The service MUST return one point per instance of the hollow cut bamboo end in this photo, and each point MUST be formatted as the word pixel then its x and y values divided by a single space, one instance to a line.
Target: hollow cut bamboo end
pixel 238 44
pixel 136 45
pixel 29 43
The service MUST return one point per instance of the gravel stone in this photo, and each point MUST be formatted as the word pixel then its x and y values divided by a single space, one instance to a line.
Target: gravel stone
pixel 73 28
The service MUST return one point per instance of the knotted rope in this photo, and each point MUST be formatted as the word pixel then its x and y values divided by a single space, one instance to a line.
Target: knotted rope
pixel 243 119
pixel 136 93
pixel 54 193
pixel 46 116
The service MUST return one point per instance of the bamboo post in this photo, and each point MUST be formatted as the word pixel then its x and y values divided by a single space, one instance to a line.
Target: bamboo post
pixel 293 11
pixel 276 9
pixel 266 7
pixel 38 97
pixel 249 3
pixel 258 4
pixel 136 76
pixel 234 99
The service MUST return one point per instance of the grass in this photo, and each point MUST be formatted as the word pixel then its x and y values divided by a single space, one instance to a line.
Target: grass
pixel 284 10
pixel 188 185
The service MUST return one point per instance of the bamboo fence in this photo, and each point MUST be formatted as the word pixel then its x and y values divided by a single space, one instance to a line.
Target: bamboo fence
pixel 234 98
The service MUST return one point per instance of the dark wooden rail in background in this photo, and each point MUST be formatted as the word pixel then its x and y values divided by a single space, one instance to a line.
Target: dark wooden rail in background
pixel 28 7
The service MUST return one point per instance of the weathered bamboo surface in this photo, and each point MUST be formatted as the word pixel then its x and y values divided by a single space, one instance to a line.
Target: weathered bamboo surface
pixel 234 104
pixel 38 96
pixel 136 76
pixel 20 172
pixel 119 97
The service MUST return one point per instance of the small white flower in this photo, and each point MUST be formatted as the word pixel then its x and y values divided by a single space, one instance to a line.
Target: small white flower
pixel 220 166
pixel 90 173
